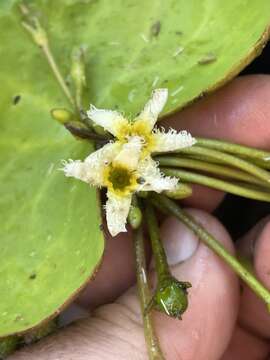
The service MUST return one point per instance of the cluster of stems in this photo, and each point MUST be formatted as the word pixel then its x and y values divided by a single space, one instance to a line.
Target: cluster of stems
pixel 221 165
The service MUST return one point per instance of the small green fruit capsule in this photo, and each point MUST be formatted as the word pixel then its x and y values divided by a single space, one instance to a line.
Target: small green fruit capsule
pixel 135 217
pixel 77 129
pixel 181 192
pixel 8 345
pixel 62 115
pixel 171 297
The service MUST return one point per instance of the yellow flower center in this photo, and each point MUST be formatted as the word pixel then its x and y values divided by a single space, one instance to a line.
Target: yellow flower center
pixel 137 128
pixel 120 180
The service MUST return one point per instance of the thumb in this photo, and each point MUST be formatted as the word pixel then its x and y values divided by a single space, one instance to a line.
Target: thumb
pixel 115 330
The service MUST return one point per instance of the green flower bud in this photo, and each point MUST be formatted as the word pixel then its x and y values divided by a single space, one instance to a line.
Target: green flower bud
pixel 8 345
pixel 170 297
pixel 100 130
pixel 181 192
pixel 135 217
pixel 62 115
pixel 78 129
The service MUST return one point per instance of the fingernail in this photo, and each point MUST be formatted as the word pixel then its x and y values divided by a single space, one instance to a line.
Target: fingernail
pixel 179 242
pixel 73 313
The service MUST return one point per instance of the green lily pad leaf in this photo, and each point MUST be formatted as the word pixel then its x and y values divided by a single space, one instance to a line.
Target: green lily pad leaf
pixel 50 238
pixel 190 47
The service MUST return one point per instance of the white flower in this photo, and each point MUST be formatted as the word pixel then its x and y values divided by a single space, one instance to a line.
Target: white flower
pixel 120 169
pixel 155 140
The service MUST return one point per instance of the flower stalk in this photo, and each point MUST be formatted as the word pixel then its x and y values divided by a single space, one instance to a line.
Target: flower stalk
pixel 229 160
pixel 235 149
pixel 39 36
pixel 240 190
pixel 153 348
pixel 170 296
pixel 210 168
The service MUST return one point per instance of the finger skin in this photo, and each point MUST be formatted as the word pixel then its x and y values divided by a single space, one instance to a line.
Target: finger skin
pixel 237 112
pixel 116 274
pixel 115 330
pixel 246 346
pixel 253 314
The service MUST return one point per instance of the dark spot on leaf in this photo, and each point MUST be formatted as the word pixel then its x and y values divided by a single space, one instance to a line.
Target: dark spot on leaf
pixel 101 227
pixel 32 276
pixel 179 33
pixel 155 28
pixel 165 81
pixel 16 99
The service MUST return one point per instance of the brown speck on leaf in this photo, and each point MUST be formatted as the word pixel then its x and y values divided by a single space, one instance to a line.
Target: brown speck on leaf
pixel 82 270
pixel 101 227
pixel 155 29
pixel 32 276
pixel 18 318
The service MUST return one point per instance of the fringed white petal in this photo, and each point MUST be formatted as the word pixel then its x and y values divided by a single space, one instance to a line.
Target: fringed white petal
pixel 154 106
pixel 117 209
pixel 153 179
pixel 91 169
pixel 171 140
pixel 110 120
pixel 82 171
pixel 130 153
pixel 104 155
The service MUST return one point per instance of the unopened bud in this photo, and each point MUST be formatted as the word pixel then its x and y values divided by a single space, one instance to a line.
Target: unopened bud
pixel 135 217
pixel 78 129
pixel 62 115
pixel 100 130
pixel 182 191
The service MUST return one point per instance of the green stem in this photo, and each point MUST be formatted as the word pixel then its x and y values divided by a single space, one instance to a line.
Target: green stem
pixel 78 75
pixel 169 206
pixel 161 263
pixel 153 347
pixel 209 168
pixel 40 37
pixel 228 159
pixel 218 184
pixel 80 130
pixel 234 149
pixel 52 63
pixel 261 163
